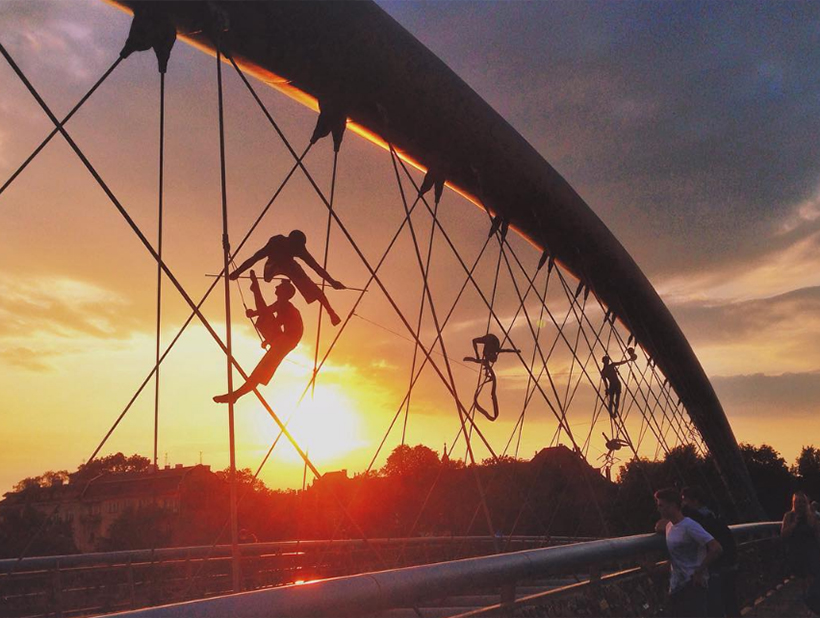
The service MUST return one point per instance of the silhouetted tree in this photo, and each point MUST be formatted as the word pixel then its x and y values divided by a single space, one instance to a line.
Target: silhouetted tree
pixel 19 527
pixel 46 479
pixel 112 463
pixel 410 461
pixel 807 471
pixel 770 477
pixel 145 527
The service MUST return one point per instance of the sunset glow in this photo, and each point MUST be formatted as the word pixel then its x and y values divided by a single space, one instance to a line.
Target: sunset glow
pixel 731 244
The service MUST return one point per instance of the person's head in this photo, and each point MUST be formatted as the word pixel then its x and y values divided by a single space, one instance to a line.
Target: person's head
pixel 606 360
pixel 668 502
pixel 298 237
pixel 692 497
pixel 800 501
pixel 285 290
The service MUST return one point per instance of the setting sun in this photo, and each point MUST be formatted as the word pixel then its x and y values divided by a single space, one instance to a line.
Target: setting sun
pixel 325 425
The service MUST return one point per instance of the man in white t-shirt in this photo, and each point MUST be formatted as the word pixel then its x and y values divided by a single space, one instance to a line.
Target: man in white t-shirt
pixel 691 551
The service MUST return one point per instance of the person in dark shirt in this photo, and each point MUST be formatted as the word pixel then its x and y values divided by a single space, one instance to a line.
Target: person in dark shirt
pixel 280 254
pixel 722 599
pixel 801 532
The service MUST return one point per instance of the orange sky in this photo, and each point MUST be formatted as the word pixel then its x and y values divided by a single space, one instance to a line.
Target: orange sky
pixel 77 290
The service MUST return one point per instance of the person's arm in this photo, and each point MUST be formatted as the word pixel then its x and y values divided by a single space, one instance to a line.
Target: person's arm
pixel 713 552
pixel 248 263
pixel 308 259
pixel 660 526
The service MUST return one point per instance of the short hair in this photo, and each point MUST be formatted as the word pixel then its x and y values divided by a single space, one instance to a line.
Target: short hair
pixel 670 494
pixel 298 236
pixel 605 359
pixel 285 290
pixel 693 492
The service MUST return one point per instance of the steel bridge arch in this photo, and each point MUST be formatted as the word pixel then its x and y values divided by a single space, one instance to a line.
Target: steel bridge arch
pixel 395 91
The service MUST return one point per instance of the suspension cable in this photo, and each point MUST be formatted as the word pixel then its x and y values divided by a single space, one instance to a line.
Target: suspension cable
pixel 409 391
pixel 159 254
pixel 527 397
pixel 56 130
pixel 226 260
pixel 421 316
pixel 140 235
pixel 433 314
pixel 562 418
pixel 324 266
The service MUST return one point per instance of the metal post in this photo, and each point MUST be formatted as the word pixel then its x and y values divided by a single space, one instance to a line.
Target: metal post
pixel 159 261
pixel 131 588
pixel 58 592
pixel 226 251
pixel 507 599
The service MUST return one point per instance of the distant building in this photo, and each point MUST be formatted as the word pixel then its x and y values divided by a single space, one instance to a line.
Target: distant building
pixel 331 480
pixel 90 506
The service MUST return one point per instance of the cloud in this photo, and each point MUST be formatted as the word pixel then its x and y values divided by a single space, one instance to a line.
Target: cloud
pixel 785 395
pixel 689 129
pixel 784 262
pixel 383 364
pixel 715 322
pixel 804 213
pixel 57 34
pixel 770 335
pixel 62 307
pixel 25 358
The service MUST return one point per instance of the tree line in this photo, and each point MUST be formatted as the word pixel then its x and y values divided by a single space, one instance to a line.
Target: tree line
pixel 415 493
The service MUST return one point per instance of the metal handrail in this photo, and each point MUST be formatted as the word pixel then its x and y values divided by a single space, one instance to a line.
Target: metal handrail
pixel 41 563
pixel 405 587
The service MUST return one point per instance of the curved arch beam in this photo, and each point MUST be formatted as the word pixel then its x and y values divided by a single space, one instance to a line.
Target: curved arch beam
pixel 397 91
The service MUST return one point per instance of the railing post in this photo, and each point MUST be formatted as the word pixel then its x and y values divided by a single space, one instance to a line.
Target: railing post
pixel 594 589
pixel 189 574
pixel 58 591
pixel 132 593
pixel 507 599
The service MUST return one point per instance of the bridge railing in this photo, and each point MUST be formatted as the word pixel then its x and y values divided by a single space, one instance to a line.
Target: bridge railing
pixel 103 582
pixel 370 593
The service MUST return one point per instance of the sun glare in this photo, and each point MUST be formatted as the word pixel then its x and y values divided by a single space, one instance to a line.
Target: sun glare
pixel 326 425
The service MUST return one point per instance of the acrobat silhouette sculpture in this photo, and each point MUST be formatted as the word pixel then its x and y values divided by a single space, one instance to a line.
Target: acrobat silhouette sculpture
pixel 487 358
pixel 280 325
pixel 612 382
pixel 280 253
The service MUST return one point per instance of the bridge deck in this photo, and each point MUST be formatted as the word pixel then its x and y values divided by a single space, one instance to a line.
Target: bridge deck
pixel 785 600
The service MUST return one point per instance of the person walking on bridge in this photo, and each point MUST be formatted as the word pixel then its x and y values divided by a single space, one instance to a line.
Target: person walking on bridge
pixel 691 551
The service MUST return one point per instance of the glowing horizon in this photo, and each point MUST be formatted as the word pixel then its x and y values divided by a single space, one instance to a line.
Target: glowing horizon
pixel 78 300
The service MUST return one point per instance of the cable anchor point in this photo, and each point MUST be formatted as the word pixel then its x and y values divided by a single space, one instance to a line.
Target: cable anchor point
pixel 151 28
pixel 332 121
